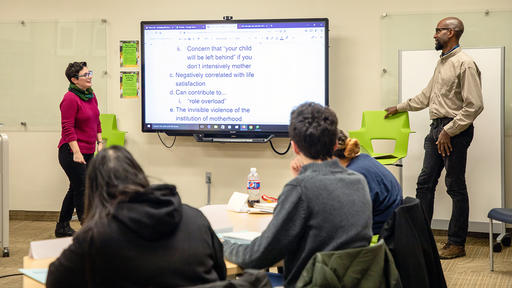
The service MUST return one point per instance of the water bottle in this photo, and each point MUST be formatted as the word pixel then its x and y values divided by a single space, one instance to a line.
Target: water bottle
pixel 253 187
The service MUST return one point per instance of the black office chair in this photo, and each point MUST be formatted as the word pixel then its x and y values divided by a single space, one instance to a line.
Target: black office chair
pixel 409 238
pixel 503 215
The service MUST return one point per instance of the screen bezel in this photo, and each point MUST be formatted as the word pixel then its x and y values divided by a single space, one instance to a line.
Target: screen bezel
pixel 224 133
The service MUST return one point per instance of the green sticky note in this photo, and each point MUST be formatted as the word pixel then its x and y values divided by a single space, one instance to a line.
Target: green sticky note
pixel 129 85
pixel 129 54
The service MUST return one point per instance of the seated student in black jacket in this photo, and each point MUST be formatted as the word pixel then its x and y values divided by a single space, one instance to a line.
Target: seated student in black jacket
pixel 136 235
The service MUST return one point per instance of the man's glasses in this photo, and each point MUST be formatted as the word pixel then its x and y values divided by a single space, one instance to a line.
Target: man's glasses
pixel 438 30
pixel 88 74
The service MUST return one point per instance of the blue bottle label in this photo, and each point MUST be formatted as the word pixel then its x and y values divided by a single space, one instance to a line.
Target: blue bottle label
pixel 253 185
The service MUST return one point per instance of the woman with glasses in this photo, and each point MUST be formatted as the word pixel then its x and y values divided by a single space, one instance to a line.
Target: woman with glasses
pixel 81 131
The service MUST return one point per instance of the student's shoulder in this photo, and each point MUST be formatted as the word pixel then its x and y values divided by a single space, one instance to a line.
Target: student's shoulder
pixel 185 208
pixel 100 230
pixel 294 184
pixel 364 161
pixel 193 214
pixel 83 238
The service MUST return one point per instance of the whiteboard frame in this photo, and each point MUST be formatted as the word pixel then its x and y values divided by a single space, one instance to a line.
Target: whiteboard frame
pixel 475 224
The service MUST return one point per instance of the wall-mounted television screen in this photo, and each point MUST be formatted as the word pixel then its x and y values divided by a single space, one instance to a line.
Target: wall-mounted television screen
pixel 234 78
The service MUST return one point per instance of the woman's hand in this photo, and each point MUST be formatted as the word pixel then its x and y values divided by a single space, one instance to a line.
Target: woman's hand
pixel 78 157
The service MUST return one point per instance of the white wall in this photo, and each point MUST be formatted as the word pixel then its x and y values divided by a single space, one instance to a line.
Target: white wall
pixel 37 181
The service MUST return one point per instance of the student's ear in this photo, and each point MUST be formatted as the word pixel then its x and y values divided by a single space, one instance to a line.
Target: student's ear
pixel 295 148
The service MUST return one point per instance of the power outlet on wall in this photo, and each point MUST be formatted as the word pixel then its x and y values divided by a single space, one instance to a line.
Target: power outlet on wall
pixel 208 178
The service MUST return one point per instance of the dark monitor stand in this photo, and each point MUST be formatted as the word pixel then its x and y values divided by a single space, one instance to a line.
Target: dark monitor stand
pixel 223 138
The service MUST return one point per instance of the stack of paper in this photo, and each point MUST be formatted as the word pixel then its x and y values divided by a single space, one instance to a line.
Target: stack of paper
pixel 240 237
pixel 266 207
pixel 238 202
pixel 48 248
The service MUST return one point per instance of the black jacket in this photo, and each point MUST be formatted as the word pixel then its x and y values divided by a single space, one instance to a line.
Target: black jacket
pixel 149 240
pixel 410 241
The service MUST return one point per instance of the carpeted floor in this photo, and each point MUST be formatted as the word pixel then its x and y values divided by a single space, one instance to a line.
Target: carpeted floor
pixel 474 269
pixel 469 271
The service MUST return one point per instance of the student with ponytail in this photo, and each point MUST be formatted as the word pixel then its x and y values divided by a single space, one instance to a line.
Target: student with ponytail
pixel 385 191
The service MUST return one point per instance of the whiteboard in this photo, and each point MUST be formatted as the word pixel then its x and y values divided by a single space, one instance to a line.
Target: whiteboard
pixel 34 56
pixel 485 165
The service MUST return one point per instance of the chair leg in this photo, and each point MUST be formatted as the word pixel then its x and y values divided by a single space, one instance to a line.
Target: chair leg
pixel 490 244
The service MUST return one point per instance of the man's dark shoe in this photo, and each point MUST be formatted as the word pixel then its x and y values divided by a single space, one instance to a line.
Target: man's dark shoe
pixel 64 230
pixel 450 251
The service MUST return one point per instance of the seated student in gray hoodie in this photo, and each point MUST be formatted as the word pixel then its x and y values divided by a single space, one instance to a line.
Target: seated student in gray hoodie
pixel 136 235
pixel 326 207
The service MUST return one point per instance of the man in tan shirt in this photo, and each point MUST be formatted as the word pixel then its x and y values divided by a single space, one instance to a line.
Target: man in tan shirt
pixel 454 99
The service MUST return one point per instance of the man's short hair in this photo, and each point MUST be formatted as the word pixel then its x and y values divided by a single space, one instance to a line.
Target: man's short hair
pixel 314 129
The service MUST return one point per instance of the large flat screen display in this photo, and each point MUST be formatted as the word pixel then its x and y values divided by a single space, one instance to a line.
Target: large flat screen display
pixel 237 78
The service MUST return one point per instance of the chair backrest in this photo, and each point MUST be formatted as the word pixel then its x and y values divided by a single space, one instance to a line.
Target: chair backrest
pixel 110 134
pixel 375 127
pixel 108 122
pixel 370 266
pixel 408 235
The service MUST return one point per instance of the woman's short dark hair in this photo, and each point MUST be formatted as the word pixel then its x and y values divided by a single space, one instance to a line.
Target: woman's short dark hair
pixel 73 69
pixel 314 129
pixel 112 175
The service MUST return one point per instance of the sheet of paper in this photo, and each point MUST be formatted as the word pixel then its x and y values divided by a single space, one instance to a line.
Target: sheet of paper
pixel 129 84
pixel 240 237
pixel 37 274
pixel 238 202
pixel 48 248
pixel 129 51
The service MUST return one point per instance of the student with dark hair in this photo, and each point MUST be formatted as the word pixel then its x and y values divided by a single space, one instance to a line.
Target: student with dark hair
pixel 81 131
pixel 325 207
pixel 385 191
pixel 136 235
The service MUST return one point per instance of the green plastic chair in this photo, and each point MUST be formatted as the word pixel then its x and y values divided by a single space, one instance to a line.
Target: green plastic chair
pixel 109 133
pixel 374 126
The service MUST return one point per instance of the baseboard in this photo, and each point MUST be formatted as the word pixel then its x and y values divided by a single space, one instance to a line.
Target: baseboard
pixel 34 215
pixel 476 229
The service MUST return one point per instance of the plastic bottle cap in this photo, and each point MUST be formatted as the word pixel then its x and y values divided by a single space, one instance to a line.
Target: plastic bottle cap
pixel 253 170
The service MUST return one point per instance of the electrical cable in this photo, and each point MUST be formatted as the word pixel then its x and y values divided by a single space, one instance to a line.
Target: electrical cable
pixel 280 153
pixel 169 147
pixel 10 275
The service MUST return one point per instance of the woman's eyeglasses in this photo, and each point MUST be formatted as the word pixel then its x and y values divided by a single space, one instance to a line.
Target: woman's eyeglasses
pixel 88 74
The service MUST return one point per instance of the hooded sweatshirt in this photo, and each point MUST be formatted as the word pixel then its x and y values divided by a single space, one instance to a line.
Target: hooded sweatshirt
pixel 150 239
